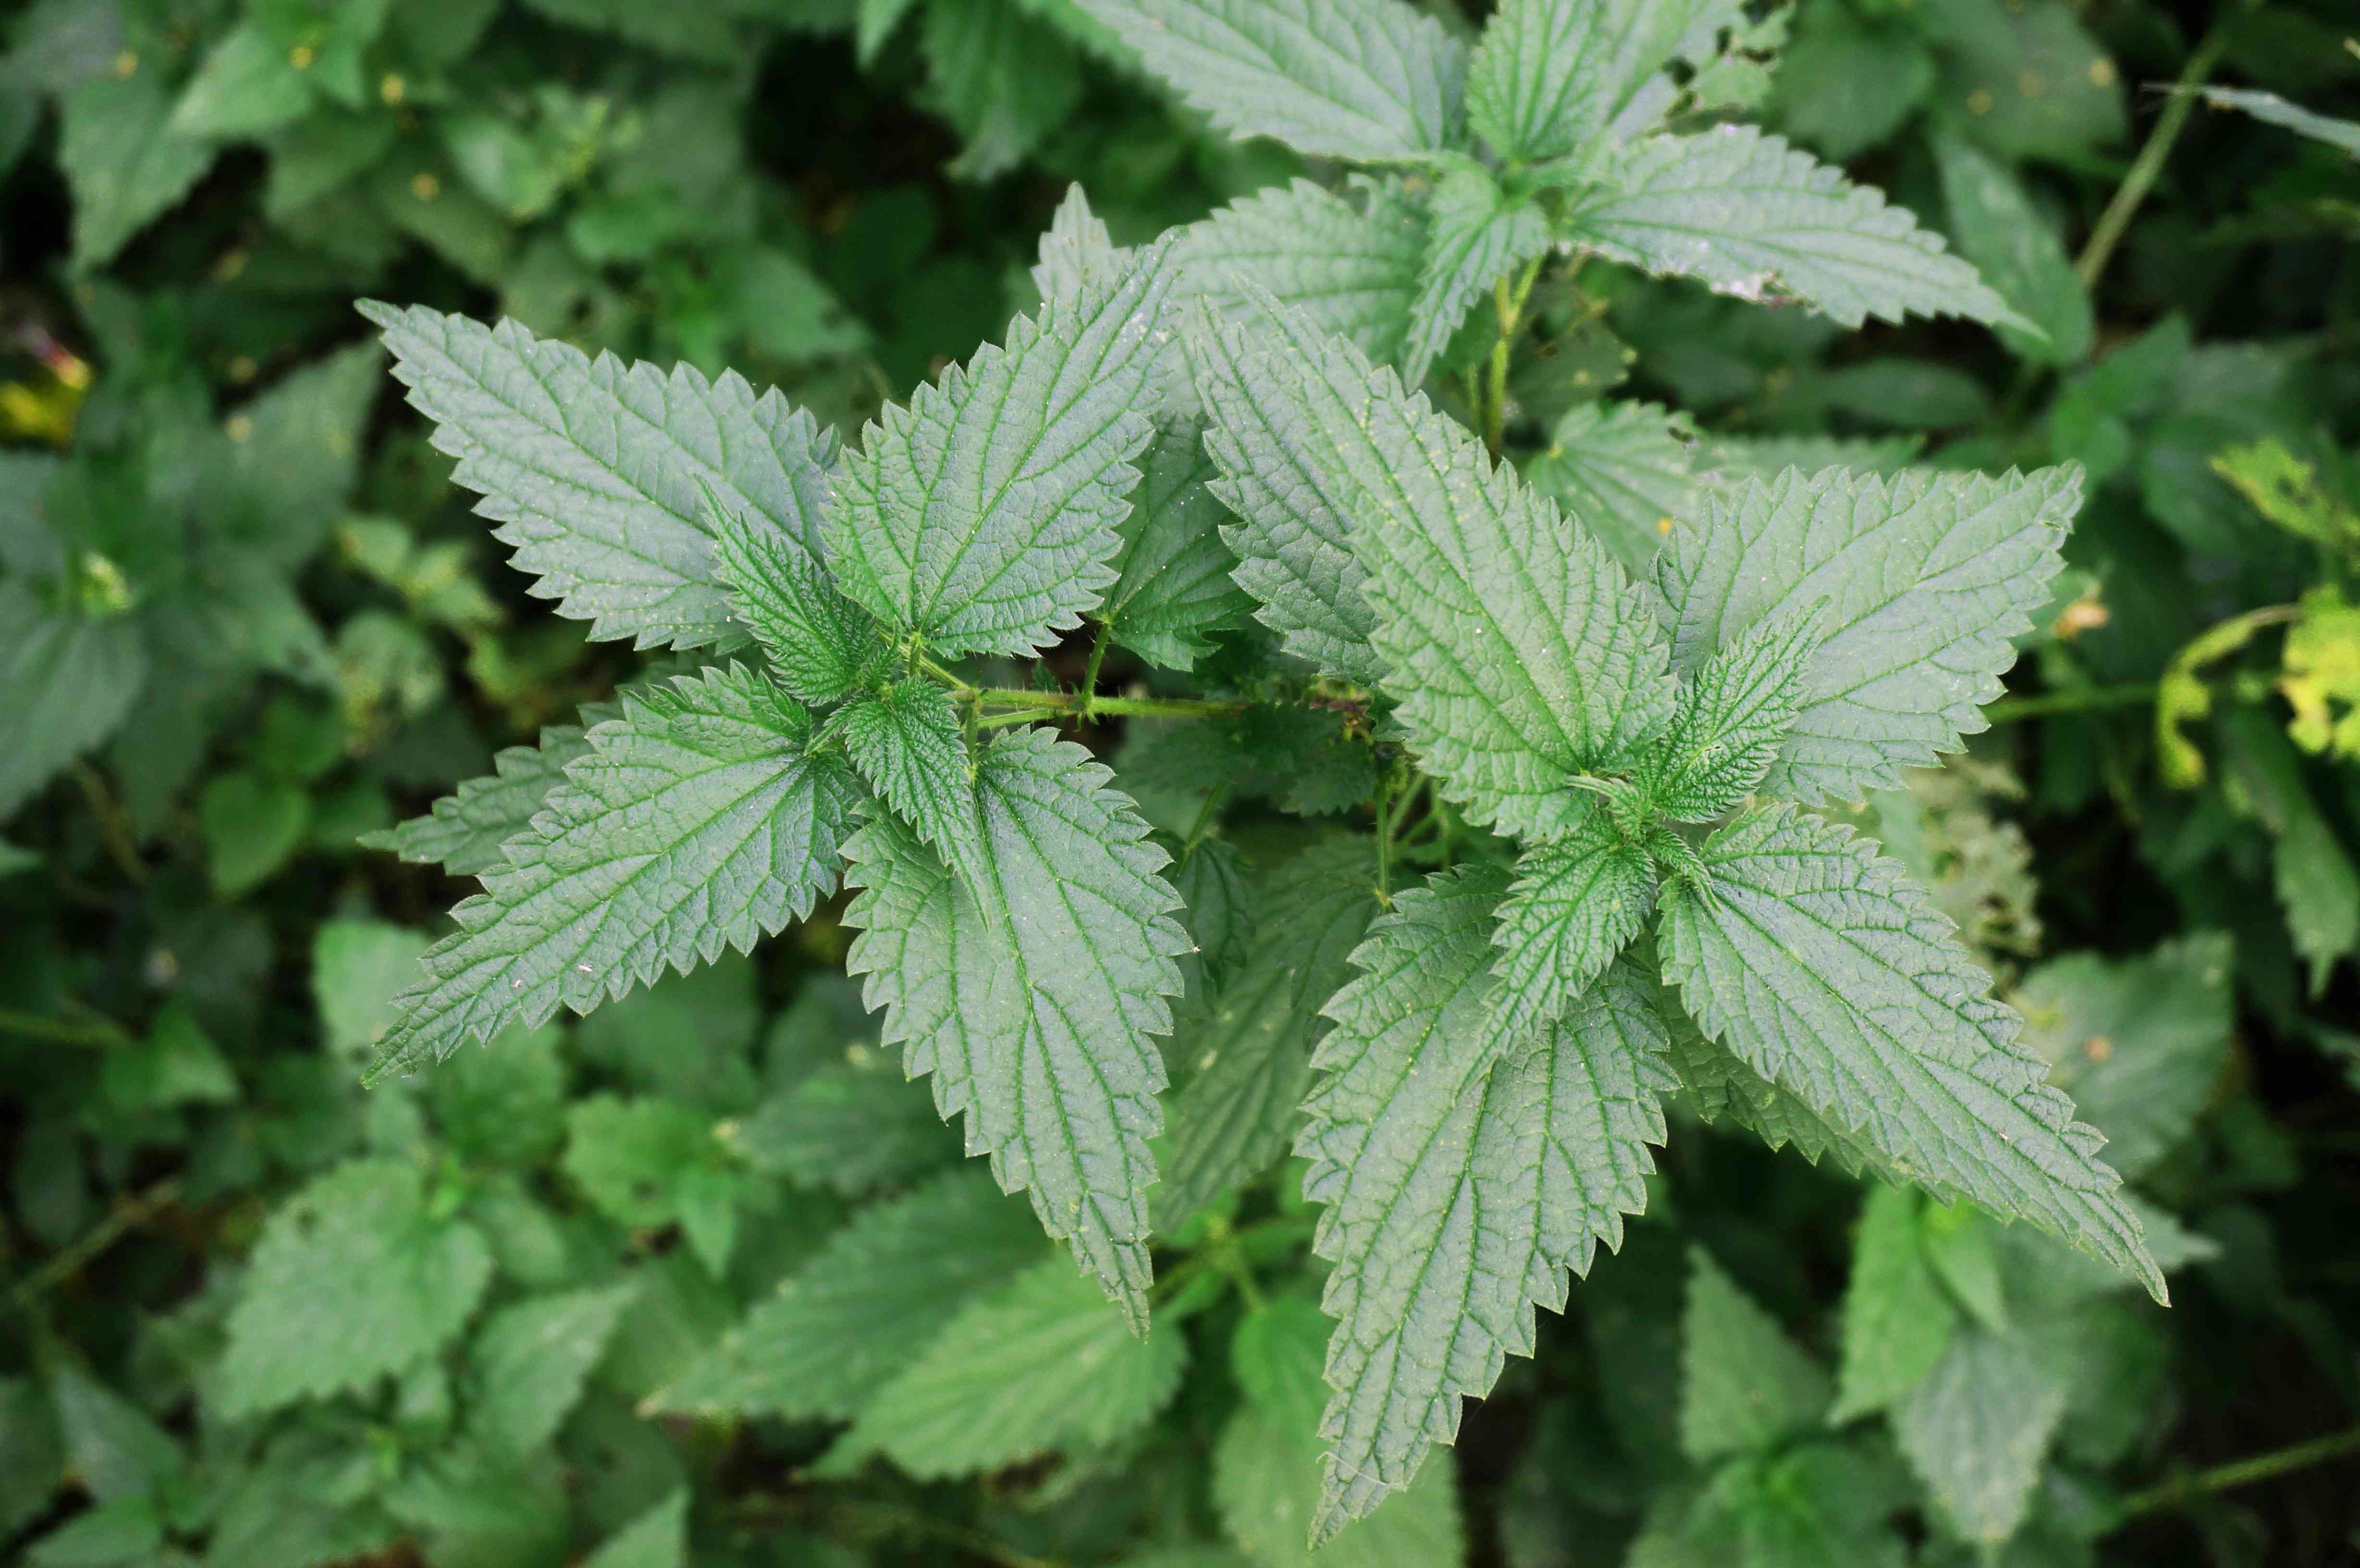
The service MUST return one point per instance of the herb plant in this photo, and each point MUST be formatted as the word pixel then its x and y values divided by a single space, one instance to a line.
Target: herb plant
pixel 1498 641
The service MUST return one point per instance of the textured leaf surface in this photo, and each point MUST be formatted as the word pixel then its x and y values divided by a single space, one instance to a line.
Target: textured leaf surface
pixel 1250 1063
pixel 1172 586
pixel 906 742
pixel 1896 1321
pixel 465 831
pixel 1033 1008
pixel 1978 1426
pixel 1576 903
pixel 1041 1362
pixel 1073 247
pixel 1549 76
pixel 983 516
pixel 1923 578
pixel 852 1126
pixel 1292 505
pixel 1733 716
pixel 1458 1184
pixel 355 1276
pixel 1751 217
pixel 1480 233
pixel 65 681
pixel 1822 966
pixel 1744 1385
pixel 696 823
pixel 841 1325
pixel 1363 79
pixel 1997 226
pixel 595 471
pixel 1518 652
pixel 819 645
pixel 1349 261
pixel 1623 471
pixel 531 1359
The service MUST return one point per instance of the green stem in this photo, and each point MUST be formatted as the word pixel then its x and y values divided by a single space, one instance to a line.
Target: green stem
pixel 2083 699
pixel 128 1215
pixel 1508 300
pixel 1205 816
pixel 1020 717
pixel 103 1033
pixel 1082 705
pixel 113 831
pixel 1090 675
pixel 2116 219
pixel 2240 1472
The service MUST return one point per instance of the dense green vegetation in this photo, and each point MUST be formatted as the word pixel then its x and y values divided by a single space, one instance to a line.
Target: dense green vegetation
pixel 1338 882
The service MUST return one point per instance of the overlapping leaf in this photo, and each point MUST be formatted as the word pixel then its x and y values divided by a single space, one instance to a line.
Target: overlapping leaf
pixel 906 743
pixel 1818 963
pixel 697 822
pixel 1549 76
pixel 593 468
pixel 1733 718
pixel 1625 472
pixel 819 645
pixel 1459 1184
pixel 1480 233
pixel 466 829
pixel 1349 261
pixel 1173 587
pixel 1035 1014
pixel 1365 80
pixel 1751 217
pixel 1924 579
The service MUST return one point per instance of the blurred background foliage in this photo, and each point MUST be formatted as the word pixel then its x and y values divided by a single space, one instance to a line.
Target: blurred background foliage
pixel 609 1293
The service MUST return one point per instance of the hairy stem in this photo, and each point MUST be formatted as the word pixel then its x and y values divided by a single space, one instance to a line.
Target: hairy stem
pixel 2241 1473
pixel 1508 298
pixel 1081 705
pixel 1090 675
pixel 2116 219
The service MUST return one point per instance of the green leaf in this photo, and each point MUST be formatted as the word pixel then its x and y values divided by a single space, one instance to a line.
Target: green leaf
pixel 123 162
pixel 1032 1005
pixel 1550 76
pixel 111 1535
pixel 1002 77
pixel 657 1538
pixel 465 831
pixel 906 742
pixel 851 1126
pixel 1977 1428
pixel 1480 233
pixel 693 32
pixel 1923 580
pixel 1039 1363
pixel 1827 970
pixel 819 645
pixel 358 968
pixel 1625 472
pixel 1250 1063
pixel 1073 247
pixel 1366 81
pixel 114 1449
pixel 1751 217
pixel 1266 1464
pixel 1733 718
pixel 531 1360
pixel 1744 1385
pixel 1957 1244
pixel 1997 227
pixel 358 1275
pixel 1516 648
pixel 246 87
pixel 1849 82
pixel 1173 587
pixel 32 1453
pixel 1575 904
pixel 847 1321
pixel 2138 1042
pixel 2273 110
pixel 698 823
pixel 66 682
pixel 250 824
pixel 1349 261
pixel 504 1105
pixel 1293 503
pixel 2317 883
pixel 1458 1184
pixel 983 516
pixel 648 1163
pixel 595 471
pixel 1896 1321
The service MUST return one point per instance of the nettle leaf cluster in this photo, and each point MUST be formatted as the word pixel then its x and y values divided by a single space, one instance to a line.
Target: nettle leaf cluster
pixel 1211 451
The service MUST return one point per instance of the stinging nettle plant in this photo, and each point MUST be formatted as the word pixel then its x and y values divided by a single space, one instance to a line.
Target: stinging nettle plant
pixel 1604 754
